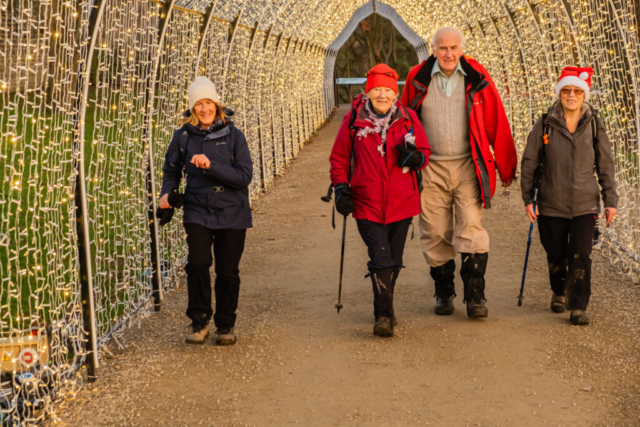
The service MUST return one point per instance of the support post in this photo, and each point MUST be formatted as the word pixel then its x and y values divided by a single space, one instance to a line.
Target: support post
pixel 156 266
pixel 83 61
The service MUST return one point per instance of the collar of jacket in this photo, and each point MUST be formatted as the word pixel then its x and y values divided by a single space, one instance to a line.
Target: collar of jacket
pixel 224 128
pixel 555 118
pixel 474 78
pixel 362 117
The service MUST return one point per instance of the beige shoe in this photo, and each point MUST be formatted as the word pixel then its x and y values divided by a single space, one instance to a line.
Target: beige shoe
pixel 197 336
pixel 224 337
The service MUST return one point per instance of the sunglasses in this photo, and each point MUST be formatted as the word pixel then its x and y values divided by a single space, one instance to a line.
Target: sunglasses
pixel 567 91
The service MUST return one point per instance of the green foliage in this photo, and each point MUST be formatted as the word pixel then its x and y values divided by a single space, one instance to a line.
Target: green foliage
pixel 375 40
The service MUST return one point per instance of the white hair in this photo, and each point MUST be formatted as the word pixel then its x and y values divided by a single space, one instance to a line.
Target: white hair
pixel 445 30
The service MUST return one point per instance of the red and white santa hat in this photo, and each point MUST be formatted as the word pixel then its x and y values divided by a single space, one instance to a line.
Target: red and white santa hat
pixel 575 76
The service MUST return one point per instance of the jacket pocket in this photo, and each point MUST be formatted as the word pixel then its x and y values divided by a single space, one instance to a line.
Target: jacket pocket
pixel 227 199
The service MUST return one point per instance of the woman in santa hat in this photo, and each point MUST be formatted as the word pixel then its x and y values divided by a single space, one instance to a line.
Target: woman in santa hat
pixel 563 150
pixel 387 145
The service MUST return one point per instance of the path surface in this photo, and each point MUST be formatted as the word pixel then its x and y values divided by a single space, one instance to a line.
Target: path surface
pixel 298 362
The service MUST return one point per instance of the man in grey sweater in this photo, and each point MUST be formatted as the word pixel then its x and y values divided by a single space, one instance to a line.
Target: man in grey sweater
pixel 463 117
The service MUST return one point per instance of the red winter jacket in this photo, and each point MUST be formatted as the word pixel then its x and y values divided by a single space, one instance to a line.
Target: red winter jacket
pixel 381 192
pixel 488 125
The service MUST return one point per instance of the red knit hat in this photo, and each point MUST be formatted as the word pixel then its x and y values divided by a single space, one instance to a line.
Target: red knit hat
pixel 575 76
pixel 382 76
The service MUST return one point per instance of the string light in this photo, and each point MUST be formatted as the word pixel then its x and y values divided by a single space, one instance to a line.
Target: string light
pixel 271 61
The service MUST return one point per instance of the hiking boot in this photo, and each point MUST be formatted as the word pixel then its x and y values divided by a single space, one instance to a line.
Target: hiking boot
pixel 472 272
pixel 198 334
pixel 224 337
pixel 444 306
pixel 382 281
pixel 443 280
pixel 558 303
pixel 383 327
pixel 394 321
pixel 579 317
pixel 476 308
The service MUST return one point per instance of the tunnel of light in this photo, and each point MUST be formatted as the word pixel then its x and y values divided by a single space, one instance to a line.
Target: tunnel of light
pixel 90 93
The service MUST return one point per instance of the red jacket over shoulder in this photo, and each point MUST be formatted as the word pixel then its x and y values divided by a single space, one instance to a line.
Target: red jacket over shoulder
pixel 488 124
pixel 381 192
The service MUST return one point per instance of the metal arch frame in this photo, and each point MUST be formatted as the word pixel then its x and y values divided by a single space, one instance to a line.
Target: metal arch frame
pixel 274 73
pixel 208 17
pixel 634 83
pixel 522 61
pixel 156 279
pixel 577 53
pixel 543 39
pixel 80 192
pixel 504 62
pixel 246 71
pixel 294 33
pixel 225 73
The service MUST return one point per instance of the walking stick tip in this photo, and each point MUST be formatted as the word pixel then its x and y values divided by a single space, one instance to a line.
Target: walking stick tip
pixel 338 307
pixel 520 301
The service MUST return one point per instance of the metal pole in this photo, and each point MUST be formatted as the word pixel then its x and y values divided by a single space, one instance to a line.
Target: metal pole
pixel 232 34
pixel 156 279
pixel 83 61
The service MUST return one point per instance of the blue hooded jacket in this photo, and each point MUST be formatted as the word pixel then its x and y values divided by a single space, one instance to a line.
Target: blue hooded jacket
pixel 218 197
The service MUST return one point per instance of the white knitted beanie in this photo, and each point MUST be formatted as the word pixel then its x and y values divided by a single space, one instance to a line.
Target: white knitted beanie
pixel 202 88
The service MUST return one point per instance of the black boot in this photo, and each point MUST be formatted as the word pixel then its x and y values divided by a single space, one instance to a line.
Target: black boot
pixel 445 289
pixel 472 272
pixel 395 272
pixel 382 301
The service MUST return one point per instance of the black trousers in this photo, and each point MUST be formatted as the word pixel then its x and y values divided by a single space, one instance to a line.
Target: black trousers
pixel 385 243
pixel 228 246
pixel 568 243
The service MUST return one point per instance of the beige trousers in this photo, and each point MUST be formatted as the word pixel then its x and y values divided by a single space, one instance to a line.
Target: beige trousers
pixel 451 211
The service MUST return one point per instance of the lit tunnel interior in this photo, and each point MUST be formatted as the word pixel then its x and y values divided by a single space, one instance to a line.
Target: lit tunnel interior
pixel 90 94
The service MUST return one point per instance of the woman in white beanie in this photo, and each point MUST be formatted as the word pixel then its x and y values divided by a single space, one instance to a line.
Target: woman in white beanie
pixel 564 149
pixel 214 156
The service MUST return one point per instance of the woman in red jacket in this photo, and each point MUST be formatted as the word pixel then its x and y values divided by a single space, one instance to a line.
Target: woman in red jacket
pixel 388 145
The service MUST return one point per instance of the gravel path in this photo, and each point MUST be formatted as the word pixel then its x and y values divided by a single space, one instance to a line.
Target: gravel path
pixel 298 362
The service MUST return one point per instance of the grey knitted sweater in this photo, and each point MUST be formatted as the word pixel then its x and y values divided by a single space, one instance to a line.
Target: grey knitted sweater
pixel 446 123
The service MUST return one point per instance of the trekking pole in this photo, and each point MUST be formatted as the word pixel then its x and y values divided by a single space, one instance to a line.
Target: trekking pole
pixel 344 235
pixel 526 258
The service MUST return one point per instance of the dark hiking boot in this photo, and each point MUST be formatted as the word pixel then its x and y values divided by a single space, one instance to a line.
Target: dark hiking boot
pixel 477 309
pixel 579 317
pixel 382 281
pixel 224 337
pixel 472 272
pixel 197 334
pixel 394 321
pixel 444 306
pixel 443 278
pixel 383 327
pixel 558 303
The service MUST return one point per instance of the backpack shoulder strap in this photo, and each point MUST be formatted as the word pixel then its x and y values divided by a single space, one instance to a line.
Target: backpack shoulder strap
pixel 183 141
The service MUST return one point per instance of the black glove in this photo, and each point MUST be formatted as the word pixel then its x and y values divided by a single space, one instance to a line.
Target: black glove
pixel 164 215
pixel 176 200
pixel 409 157
pixel 344 200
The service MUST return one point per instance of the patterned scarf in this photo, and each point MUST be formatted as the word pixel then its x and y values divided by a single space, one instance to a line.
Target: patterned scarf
pixel 380 123
pixel 214 126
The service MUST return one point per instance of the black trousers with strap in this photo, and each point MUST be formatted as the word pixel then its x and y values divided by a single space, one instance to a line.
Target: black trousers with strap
pixel 568 243
pixel 228 246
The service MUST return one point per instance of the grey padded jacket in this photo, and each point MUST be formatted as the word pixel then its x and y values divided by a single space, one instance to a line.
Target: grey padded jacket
pixel 569 187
